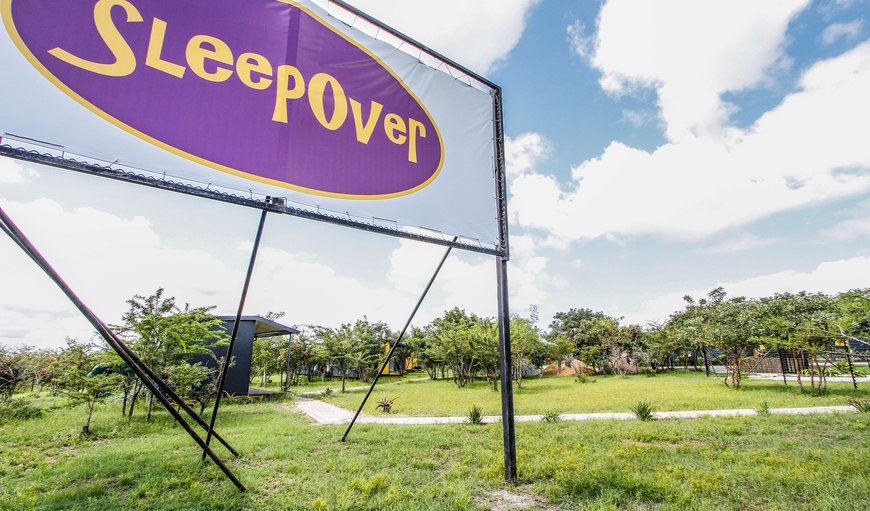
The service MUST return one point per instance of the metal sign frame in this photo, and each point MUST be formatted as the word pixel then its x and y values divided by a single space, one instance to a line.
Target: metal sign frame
pixel 45 153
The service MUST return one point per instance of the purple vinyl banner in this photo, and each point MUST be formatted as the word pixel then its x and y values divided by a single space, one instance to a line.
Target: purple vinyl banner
pixel 262 89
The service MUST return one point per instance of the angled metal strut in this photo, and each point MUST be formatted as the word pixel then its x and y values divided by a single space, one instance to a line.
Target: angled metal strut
pixel 396 344
pixel 159 388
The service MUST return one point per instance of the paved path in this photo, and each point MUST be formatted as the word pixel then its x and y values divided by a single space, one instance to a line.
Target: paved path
pixel 328 414
pixel 806 379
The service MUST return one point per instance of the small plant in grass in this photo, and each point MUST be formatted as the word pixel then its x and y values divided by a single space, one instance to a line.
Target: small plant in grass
pixel 862 405
pixel 649 372
pixel 644 411
pixel 584 378
pixel 385 405
pixel 763 409
pixel 551 416
pixel 326 393
pixel 475 415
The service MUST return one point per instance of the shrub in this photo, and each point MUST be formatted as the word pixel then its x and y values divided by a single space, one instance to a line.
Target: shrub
pixel 326 393
pixel 475 415
pixel 386 405
pixel 17 410
pixel 649 372
pixel 862 405
pixel 763 409
pixel 644 411
pixel 551 416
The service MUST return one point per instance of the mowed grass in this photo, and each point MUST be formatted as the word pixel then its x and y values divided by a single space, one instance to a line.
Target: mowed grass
pixel 742 463
pixel 675 390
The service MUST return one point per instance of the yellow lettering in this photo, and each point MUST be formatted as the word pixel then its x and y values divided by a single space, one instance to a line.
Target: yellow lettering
pixel 316 93
pixel 364 131
pixel 219 52
pixel 415 128
pixel 249 63
pixel 394 124
pixel 285 93
pixel 125 60
pixel 155 51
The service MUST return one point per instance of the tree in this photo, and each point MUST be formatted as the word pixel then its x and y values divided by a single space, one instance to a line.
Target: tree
pixel 526 347
pixel 80 382
pixel 561 350
pixel 338 348
pixel 168 338
pixel 13 370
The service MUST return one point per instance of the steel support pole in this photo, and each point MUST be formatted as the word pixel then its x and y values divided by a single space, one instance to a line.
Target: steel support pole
pixel 396 344
pixel 223 374
pixel 11 230
pixel 507 389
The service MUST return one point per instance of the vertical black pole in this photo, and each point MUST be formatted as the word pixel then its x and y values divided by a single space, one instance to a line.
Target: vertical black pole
pixel 228 358
pixel 507 390
pixel 398 340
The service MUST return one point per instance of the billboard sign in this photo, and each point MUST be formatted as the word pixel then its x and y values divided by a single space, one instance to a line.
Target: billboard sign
pixel 272 96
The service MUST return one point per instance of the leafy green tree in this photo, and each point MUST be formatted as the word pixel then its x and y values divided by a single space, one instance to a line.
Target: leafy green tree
pixel 561 350
pixel 79 382
pixel 527 349
pixel 165 335
pixel 337 345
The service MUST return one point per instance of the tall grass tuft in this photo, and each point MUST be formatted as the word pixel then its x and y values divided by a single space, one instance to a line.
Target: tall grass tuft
pixel 763 409
pixel 475 415
pixel 862 405
pixel 644 411
pixel 551 416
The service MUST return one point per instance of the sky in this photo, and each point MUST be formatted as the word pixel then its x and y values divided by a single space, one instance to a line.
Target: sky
pixel 654 150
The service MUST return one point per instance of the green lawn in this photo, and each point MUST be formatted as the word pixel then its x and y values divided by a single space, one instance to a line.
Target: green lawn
pixel 669 391
pixel 746 463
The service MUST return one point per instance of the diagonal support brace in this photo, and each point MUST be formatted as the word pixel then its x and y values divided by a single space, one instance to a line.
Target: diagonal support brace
pixel 11 230
pixel 398 340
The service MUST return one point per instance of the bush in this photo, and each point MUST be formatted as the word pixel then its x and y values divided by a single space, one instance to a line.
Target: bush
pixel 551 416
pixel 862 405
pixel 763 409
pixel 17 410
pixel 644 411
pixel 649 372
pixel 385 405
pixel 475 415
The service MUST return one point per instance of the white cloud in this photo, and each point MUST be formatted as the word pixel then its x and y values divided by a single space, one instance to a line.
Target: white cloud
pixel 13 172
pixel 524 153
pixel 810 148
pixel 828 277
pixel 837 31
pixel 637 118
pixel 848 229
pixel 691 53
pixel 739 243
pixel 582 43
pixel 469 282
pixel 475 34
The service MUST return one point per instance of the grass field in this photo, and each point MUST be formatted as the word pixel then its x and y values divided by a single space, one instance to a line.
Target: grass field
pixel 747 463
pixel 669 391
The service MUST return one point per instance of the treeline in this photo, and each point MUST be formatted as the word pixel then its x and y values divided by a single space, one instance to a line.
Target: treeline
pixel 174 341
pixel 458 345
pixel 807 325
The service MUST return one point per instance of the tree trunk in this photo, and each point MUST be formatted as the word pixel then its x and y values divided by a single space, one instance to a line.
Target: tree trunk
pixel 150 406
pixel 136 391
pixel 86 431
pixel 798 368
pixel 706 361
pixel 124 403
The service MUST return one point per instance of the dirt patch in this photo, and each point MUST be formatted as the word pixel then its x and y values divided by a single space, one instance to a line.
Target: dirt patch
pixel 503 500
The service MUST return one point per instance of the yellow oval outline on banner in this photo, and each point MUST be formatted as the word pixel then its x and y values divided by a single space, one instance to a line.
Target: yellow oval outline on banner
pixel 6 12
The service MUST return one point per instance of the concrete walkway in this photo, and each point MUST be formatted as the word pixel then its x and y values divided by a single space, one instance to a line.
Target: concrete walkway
pixel 328 414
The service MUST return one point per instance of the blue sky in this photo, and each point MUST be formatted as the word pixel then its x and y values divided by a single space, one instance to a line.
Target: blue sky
pixel 655 149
